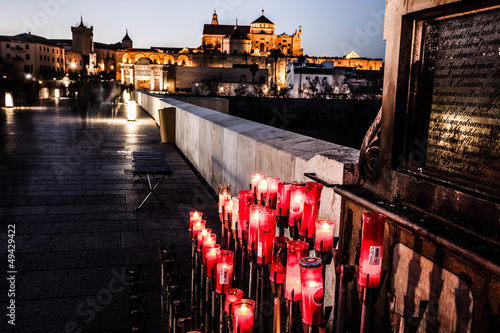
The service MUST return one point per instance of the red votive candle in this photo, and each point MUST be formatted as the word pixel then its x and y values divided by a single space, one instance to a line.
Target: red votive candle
pixel 311 277
pixel 256 178
pixel 243 221
pixel 272 191
pixel 233 295
pixel 202 236
pixel 262 191
pixel 311 209
pixel 197 228
pixel 278 265
pixel 309 216
pixel 235 215
pixel 224 192
pixel 372 242
pixel 297 196
pixel 283 199
pixel 296 251
pixel 224 271
pixel 243 316
pixel 194 217
pixel 211 259
pixel 253 227
pixel 313 192
pixel 208 243
pixel 267 225
pixel 246 200
pixel 228 210
pixel 323 237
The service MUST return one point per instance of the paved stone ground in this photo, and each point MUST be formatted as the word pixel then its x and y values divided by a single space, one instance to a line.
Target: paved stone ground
pixel 66 185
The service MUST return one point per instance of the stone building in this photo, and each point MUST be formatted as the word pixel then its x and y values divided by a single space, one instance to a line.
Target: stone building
pixel 30 56
pixel 261 34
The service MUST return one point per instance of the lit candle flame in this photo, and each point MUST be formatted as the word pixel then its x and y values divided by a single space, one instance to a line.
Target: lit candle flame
pixel 195 214
pixel 312 284
pixel 326 226
pixel 298 199
pixel 204 232
pixel 244 308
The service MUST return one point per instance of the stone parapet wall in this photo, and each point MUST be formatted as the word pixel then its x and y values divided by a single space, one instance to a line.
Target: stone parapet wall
pixel 228 149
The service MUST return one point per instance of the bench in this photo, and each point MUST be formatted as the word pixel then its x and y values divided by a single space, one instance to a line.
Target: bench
pixel 150 164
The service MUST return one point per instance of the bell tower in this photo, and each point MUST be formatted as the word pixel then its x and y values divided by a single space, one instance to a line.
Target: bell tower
pixel 215 20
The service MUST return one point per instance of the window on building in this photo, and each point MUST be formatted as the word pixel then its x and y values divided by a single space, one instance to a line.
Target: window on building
pixel 52 50
pixel 27 46
pixel 57 51
pixel 44 58
pixel 262 79
pixel 7 45
pixel 235 52
pixel 8 55
pixel 40 48
pixel 243 79
pixel 41 57
pixel 27 57
pixel 26 68
pixel 261 48
pixel 53 59
pixel 44 49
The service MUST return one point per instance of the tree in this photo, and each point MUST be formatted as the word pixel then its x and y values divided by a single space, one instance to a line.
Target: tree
pixel 210 85
pixel 253 69
pixel 317 88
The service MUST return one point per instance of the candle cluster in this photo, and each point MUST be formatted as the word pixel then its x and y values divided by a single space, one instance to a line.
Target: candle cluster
pixel 255 256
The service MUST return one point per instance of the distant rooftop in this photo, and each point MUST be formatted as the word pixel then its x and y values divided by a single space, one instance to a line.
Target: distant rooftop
pixel 223 29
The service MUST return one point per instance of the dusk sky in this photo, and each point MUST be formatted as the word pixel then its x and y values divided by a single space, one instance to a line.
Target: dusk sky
pixel 329 27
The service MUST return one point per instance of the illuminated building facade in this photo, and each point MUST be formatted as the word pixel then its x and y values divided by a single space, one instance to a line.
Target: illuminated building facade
pixel 30 56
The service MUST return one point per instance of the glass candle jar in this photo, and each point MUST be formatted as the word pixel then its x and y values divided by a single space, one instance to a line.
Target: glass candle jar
pixel 267 226
pixel 211 259
pixel 256 178
pixel 235 215
pixel 297 197
pixel 311 276
pixel 224 193
pixel 272 192
pixel 323 236
pixel 233 295
pixel 296 251
pixel 208 243
pixel 278 265
pixel 253 227
pixel 224 272
pixel 243 316
pixel 194 217
pixel 197 228
pixel 202 236
pixel 372 242
pixel 283 199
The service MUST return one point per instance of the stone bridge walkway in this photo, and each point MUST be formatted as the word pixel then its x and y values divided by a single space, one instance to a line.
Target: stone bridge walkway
pixel 66 186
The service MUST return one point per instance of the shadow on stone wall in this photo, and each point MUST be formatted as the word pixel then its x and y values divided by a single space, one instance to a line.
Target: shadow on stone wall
pixel 343 122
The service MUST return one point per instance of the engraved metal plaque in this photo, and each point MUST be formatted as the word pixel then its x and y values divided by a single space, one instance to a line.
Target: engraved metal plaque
pixel 460 87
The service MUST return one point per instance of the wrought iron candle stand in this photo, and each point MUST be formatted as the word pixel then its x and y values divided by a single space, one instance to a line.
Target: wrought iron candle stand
pixel 136 303
pixel 277 278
